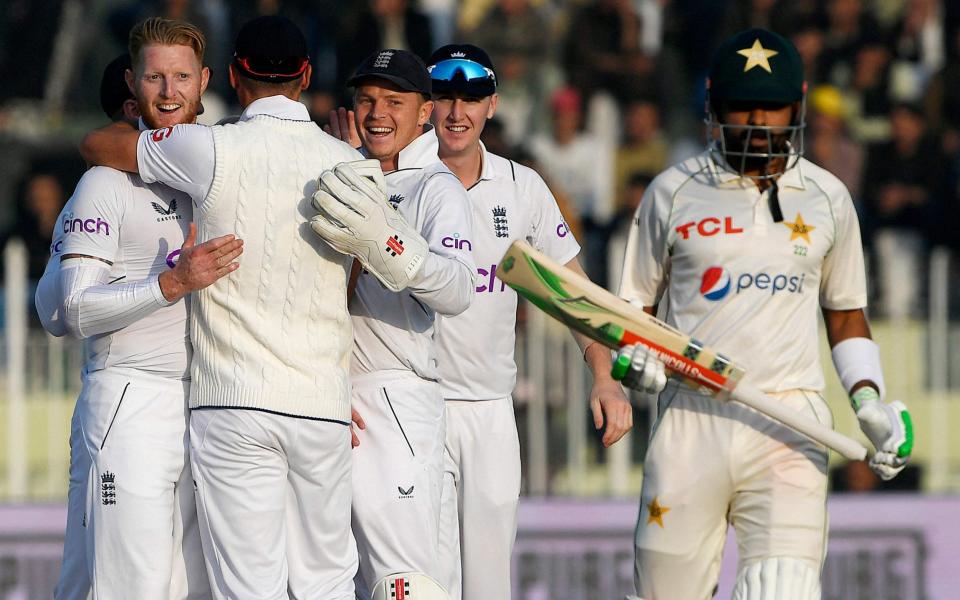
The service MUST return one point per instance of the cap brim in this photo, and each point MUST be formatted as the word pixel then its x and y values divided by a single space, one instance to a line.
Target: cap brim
pixel 400 82
pixel 758 92
pixel 479 89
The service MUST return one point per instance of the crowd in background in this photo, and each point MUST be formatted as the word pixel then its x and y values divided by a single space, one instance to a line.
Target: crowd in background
pixel 597 95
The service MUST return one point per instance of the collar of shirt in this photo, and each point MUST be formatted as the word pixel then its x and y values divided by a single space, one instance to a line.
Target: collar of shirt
pixel 792 177
pixel 280 107
pixel 141 126
pixel 421 152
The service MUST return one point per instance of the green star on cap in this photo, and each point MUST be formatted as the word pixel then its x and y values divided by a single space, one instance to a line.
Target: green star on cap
pixel 757 56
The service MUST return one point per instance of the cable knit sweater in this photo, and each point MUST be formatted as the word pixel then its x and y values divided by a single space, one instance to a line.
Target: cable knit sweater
pixel 276 334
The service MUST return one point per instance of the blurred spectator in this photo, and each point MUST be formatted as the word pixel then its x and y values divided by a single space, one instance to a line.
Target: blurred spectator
pixel 809 40
pixel 848 26
pixel 868 97
pixel 376 25
pixel 603 51
pixel 943 101
pixel 636 185
pixel 644 148
pixel 918 48
pixel 855 476
pixel 903 181
pixel 24 50
pixel 519 39
pixel 582 166
pixel 828 143
pixel 41 197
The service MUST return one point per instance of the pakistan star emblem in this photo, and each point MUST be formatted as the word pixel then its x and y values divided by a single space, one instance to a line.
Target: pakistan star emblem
pixel 656 512
pixel 799 229
pixel 757 56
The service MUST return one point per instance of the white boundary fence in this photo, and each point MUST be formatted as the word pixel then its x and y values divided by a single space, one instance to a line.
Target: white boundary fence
pixel 562 454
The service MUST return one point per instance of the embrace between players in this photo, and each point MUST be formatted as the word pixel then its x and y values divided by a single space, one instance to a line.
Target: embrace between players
pixel 212 452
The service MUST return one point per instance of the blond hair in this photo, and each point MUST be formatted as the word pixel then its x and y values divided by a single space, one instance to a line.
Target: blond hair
pixel 165 32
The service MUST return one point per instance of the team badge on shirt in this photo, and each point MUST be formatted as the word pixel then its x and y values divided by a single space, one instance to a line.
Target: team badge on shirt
pixel 108 488
pixel 656 512
pixel 500 225
pixel 799 229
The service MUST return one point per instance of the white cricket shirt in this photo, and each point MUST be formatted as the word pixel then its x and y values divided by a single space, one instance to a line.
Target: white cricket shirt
pixel 736 280
pixel 139 227
pixel 475 349
pixel 395 331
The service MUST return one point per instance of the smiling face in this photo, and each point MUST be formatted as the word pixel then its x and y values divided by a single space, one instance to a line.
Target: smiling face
pixel 459 120
pixel 168 82
pixel 388 118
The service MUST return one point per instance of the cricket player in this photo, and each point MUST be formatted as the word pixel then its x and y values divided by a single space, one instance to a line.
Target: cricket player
pixel 123 260
pixel 743 244
pixel 118 103
pixel 475 349
pixel 270 406
pixel 398 464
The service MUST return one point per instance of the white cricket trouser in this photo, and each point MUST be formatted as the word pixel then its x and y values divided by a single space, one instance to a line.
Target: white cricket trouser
pixel 481 493
pixel 710 461
pixel 273 497
pixel 131 519
pixel 397 476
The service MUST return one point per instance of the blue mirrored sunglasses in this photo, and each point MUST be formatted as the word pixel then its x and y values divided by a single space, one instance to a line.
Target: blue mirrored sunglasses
pixel 446 70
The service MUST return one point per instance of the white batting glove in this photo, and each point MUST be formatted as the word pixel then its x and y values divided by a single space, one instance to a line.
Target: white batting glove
pixel 356 219
pixel 638 368
pixel 889 428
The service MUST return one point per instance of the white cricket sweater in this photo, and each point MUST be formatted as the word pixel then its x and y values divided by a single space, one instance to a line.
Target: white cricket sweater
pixel 275 334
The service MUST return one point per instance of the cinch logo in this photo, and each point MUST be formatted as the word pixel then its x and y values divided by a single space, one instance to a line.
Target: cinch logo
pixel 715 283
pixel 456 242
pixel 98 225
pixel 563 229
pixel 158 135
pixel 491 282
pixel 709 227
pixel 172 258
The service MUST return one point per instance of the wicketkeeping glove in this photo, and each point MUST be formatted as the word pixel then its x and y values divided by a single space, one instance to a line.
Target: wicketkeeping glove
pixel 638 368
pixel 889 428
pixel 356 219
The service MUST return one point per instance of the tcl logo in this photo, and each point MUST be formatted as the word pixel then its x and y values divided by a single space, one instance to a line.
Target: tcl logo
pixel 490 284
pixel 708 227
pixel 158 135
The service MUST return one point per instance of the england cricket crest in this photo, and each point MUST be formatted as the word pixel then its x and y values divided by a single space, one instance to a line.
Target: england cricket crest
pixel 500 225
pixel 108 488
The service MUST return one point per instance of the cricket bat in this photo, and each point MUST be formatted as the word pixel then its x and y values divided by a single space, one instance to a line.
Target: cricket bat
pixel 584 306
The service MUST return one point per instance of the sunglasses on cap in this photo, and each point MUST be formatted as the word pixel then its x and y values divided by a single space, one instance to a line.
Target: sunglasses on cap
pixel 446 70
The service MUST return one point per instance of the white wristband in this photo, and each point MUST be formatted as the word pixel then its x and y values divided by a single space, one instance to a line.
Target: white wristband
pixel 858 359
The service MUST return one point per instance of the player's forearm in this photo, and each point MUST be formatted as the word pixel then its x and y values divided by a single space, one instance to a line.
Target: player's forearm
pixel 445 284
pixel 90 306
pixel 112 146
pixel 47 302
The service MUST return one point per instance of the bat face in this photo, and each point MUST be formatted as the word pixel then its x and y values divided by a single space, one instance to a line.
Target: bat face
pixel 586 307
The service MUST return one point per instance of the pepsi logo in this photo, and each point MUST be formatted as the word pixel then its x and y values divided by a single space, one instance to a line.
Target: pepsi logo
pixel 715 283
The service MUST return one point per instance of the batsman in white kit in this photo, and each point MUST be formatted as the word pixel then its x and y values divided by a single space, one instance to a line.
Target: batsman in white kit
pixel 121 265
pixel 270 406
pixel 475 348
pixel 743 244
pixel 398 462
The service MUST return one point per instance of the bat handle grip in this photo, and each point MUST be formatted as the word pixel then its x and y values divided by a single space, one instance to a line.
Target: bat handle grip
pixel 843 445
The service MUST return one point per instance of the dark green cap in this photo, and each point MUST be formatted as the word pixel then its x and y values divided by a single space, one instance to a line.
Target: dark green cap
pixel 757 64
